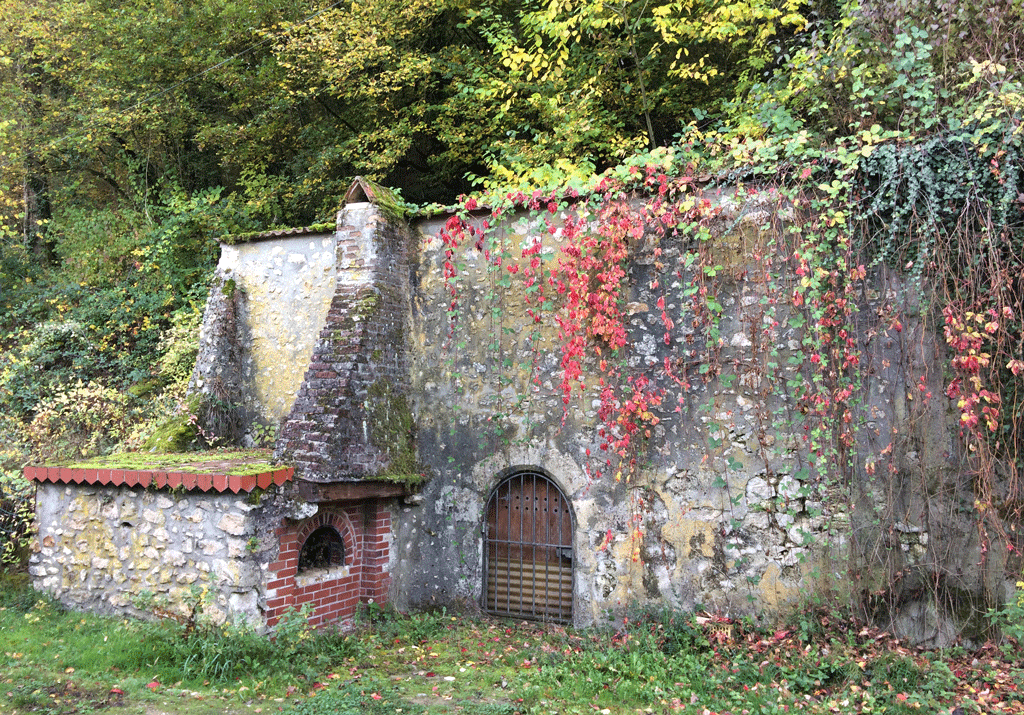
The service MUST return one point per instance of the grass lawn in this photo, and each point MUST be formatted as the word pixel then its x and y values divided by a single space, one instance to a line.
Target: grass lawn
pixel 56 661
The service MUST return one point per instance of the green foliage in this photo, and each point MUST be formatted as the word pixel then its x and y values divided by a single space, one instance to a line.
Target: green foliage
pixel 389 625
pixel 111 324
pixel 16 514
pixel 374 68
pixel 181 251
pixel 204 647
pixel 83 421
pixel 49 355
pixel 263 435
pixel 1009 618
pixel 17 495
pixel 571 86
pixel 482 667
pixel 179 345
pixel 96 246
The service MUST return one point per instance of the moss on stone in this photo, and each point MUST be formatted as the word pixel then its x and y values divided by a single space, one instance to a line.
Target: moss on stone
pixel 365 304
pixel 257 494
pixel 178 433
pixel 251 236
pixel 409 480
pixel 173 435
pixel 392 206
pixel 239 462
pixel 393 431
pixel 360 310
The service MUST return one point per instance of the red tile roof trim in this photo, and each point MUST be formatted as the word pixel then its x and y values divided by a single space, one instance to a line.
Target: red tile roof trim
pixel 190 481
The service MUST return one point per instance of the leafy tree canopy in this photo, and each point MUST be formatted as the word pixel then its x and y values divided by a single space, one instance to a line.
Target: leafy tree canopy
pixel 133 133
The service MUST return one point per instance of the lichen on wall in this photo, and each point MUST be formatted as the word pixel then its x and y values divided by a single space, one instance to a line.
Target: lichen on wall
pixel 271 298
pixel 733 495
pixel 107 549
pixel 392 430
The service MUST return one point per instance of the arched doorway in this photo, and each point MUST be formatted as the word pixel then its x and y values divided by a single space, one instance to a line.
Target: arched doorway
pixel 528 557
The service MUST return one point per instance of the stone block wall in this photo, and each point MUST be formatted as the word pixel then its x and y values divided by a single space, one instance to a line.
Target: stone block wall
pixel 108 548
pixel 100 548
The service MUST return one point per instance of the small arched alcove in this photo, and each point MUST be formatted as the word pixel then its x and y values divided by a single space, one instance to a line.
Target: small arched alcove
pixel 528 552
pixel 323 549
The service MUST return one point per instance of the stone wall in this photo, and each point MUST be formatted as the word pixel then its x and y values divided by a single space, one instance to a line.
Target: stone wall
pixel 254 349
pixel 689 531
pixel 725 508
pixel 111 549
pixel 101 547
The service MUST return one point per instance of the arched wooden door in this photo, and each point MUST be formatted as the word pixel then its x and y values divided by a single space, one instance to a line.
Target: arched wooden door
pixel 528 557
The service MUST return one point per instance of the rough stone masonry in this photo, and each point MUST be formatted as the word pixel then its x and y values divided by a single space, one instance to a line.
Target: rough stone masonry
pixel 409 375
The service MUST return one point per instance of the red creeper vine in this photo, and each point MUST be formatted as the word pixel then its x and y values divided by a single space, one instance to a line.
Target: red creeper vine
pixel 584 290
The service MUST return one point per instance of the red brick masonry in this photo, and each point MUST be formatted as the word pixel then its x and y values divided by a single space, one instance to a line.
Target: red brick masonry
pixel 365 528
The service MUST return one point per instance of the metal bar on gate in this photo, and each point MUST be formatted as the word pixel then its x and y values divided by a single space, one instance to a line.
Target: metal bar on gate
pixel 521 585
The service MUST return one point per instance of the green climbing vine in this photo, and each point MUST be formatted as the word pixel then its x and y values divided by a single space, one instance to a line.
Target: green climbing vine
pixel 889 258
pixel 857 292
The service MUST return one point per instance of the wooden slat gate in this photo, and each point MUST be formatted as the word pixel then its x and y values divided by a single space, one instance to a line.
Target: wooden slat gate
pixel 528 559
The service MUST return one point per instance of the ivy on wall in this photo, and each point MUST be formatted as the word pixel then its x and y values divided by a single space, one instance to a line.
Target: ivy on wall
pixel 887 242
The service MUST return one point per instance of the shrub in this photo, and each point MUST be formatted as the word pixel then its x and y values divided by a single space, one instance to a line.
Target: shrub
pixel 51 354
pixel 179 346
pixel 414 628
pixel 196 422
pixel 1010 618
pixel 85 421
pixel 200 644
pixel 96 245
pixel 15 515
pixel 15 493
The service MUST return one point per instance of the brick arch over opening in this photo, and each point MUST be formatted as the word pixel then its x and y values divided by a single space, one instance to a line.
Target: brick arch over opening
pixel 528 548
pixel 333 593
pixel 338 521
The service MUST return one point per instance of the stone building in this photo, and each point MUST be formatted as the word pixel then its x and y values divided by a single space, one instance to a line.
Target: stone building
pixel 433 455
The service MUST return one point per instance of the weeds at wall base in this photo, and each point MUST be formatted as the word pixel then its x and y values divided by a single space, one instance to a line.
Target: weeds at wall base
pixel 441 662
